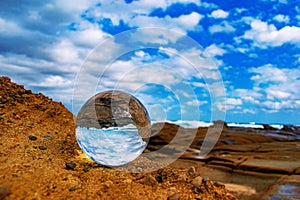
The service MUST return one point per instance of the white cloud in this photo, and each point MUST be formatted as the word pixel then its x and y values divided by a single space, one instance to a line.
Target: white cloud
pixel 137 11
pixel 229 104
pixel 31 73
pixel 276 106
pixel 219 14
pixel 65 52
pixel 250 99
pixel 248 111
pixel 200 85
pixel 196 102
pixel 247 94
pixel 282 18
pixel 182 23
pixel 192 62
pixel 156 36
pixel 264 34
pixel 55 81
pixel 277 94
pixel 188 22
pixel 130 75
pixel 215 50
pixel 89 35
pixel 274 88
pixel 10 28
pixel 234 101
pixel 140 54
pixel 275 75
pixel 268 73
pixel 75 8
pixel 240 10
pixel 222 27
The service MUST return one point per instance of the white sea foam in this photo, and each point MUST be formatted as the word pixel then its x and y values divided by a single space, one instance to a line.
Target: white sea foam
pixel 186 123
pixel 193 124
pixel 278 126
pixel 245 125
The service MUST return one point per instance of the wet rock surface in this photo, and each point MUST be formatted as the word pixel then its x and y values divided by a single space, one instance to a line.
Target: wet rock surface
pixel 259 156
pixel 287 188
pixel 27 172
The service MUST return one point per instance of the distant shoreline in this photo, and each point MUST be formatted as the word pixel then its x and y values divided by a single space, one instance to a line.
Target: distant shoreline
pixel 203 124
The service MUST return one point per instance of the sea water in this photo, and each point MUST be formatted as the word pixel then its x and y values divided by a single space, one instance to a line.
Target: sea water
pixel 112 146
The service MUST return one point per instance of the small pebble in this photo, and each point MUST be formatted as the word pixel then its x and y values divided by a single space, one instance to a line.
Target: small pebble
pixel 149 180
pixel 70 165
pixel 32 137
pixel 86 169
pixel 197 182
pixel 192 171
pixel 205 179
pixel 72 189
pixel 48 137
pixel 182 177
pixel 43 147
pixel 175 196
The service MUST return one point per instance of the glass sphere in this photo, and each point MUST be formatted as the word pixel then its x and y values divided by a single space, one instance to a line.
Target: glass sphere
pixel 113 128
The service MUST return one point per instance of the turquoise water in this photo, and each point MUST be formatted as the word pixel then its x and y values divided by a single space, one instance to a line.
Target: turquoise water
pixel 111 147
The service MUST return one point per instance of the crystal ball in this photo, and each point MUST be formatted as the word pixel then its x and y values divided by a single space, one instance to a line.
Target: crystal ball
pixel 113 128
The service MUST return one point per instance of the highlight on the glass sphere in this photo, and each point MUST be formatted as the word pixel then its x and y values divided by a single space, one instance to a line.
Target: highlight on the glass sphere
pixel 113 128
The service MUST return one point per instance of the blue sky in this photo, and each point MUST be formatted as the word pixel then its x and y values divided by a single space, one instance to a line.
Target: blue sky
pixel 254 45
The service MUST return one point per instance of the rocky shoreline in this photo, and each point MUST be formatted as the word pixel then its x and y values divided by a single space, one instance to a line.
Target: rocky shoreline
pixel 260 159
